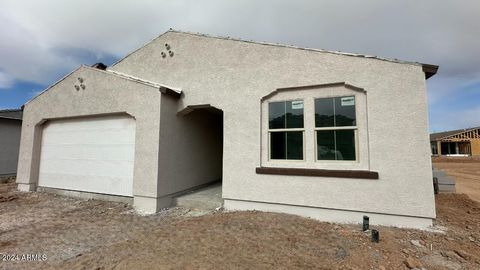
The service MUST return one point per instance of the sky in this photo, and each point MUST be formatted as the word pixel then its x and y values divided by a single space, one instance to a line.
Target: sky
pixel 42 41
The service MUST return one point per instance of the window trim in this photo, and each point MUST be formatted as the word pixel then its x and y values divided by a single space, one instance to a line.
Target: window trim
pixel 334 128
pixel 270 130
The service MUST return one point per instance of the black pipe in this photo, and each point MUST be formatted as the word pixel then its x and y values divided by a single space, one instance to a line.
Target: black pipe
pixel 366 223
pixel 375 236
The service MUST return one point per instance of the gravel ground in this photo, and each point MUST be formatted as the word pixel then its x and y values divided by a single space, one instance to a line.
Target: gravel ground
pixel 466 173
pixel 89 234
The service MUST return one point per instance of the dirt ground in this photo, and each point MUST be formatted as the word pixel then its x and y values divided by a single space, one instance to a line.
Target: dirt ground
pixel 466 172
pixel 88 234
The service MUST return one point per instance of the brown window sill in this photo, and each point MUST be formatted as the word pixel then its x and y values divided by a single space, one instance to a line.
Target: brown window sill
pixel 318 172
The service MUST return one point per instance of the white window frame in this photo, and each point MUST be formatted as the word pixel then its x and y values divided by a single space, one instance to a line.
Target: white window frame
pixel 334 128
pixel 270 131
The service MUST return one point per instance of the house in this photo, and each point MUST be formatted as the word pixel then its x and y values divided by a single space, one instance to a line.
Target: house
pixel 10 128
pixel 287 129
pixel 461 142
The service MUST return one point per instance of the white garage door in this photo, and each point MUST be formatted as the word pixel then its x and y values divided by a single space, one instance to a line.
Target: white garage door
pixel 89 154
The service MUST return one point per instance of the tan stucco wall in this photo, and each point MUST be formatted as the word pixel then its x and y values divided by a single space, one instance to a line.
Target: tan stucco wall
pixel 234 76
pixel 190 148
pixel 9 145
pixel 104 94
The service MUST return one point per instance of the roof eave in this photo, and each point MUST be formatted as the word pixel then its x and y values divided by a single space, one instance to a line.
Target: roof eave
pixel 429 70
pixel 10 118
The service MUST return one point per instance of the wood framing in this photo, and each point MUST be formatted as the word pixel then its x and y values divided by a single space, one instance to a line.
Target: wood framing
pixel 464 142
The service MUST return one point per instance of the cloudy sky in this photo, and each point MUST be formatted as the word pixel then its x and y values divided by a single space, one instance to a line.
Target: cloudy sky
pixel 41 41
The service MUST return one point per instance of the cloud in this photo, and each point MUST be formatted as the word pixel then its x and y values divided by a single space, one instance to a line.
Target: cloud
pixel 5 80
pixel 43 40
pixel 443 33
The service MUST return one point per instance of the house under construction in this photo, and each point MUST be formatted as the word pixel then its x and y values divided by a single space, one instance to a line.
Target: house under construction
pixel 462 142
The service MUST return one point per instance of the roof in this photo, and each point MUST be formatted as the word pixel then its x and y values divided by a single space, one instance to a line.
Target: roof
pixel 163 88
pixel 441 135
pixel 15 114
pixel 176 92
pixel 428 69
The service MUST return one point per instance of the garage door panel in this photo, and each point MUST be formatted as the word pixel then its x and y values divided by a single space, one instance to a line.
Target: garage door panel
pixel 87 167
pixel 98 184
pixel 93 137
pixel 97 152
pixel 89 154
pixel 91 123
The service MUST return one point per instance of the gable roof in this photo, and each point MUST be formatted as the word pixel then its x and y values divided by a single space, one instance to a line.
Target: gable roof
pixel 428 69
pixel 176 92
pixel 15 114
pixel 442 135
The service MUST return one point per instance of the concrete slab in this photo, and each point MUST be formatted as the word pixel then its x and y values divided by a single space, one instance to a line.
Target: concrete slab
pixel 447 180
pixel 207 198
pixel 446 188
pixel 438 173
pixel 445 183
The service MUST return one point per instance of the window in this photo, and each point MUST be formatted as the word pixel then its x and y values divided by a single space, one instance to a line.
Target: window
pixel 434 147
pixel 335 128
pixel 285 128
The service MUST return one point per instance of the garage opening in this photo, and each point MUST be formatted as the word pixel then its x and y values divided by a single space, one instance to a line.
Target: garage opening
pixel 94 154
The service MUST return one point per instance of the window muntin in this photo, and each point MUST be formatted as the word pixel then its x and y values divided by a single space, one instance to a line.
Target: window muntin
pixel 335 128
pixel 286 130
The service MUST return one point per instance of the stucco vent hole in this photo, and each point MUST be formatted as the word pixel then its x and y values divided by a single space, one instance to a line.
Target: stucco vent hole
pixel 82 86
pixel 167 46
pixel 163 54
pixel 80 79
pixel 170 53
pixel 77 87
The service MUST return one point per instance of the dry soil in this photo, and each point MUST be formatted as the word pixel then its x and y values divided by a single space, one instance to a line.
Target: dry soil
pixel 89 234
pixel 466 173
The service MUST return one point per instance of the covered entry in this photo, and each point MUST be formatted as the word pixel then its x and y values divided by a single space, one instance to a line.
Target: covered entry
pixel 94 154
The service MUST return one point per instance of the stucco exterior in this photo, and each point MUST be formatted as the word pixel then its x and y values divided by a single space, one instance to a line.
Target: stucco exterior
pixel 104 94
pixel 10 130
pixel 239 78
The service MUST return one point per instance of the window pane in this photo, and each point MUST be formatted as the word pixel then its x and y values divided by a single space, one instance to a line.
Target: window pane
pixel 345 111
pixel 295 114
pixel 345 140
pixel 326 145
pixel 286 145
pixel 295 145
pixel 324 112
pixel 276 115
pixel 277 145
